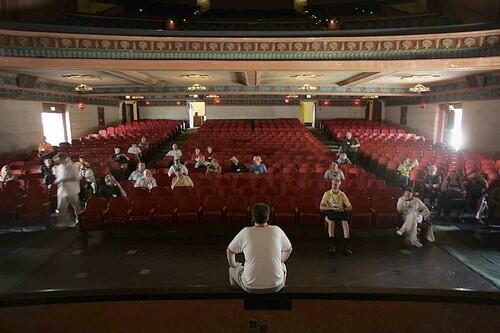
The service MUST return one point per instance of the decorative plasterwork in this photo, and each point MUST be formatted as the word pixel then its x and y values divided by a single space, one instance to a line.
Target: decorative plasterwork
pixel 29 95
pixel 449 96
pixel 80 46
pixel 268 89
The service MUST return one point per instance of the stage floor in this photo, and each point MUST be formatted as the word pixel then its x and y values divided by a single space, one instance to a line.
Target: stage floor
pixel 58 259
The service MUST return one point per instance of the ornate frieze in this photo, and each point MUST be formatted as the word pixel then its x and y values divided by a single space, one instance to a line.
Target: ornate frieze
pixel 80 46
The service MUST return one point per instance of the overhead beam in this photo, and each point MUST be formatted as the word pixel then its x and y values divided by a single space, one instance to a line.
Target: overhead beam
pixel 137 77
pixel 480 63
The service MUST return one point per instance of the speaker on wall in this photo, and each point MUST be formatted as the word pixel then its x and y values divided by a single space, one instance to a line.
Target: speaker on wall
pixel 26 81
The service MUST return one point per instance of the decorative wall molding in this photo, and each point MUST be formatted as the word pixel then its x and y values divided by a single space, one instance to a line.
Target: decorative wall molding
pixel 241 89
pixel 30 95
pixel 81 46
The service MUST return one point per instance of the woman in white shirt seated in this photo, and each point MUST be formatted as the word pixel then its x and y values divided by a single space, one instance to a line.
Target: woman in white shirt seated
pixel 413 211
pixel 146 181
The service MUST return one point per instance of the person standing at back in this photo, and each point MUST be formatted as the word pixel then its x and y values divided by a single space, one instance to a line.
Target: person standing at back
pixel 266 248
pixel 350 146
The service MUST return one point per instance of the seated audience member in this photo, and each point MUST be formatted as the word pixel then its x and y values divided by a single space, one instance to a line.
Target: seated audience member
pixel 5 174
pixel 334 172
pixel 177 166
pixel 266 248
pixel 48 172
pixel 343 160
pixel 236 167
pixel 181 179
pixel 201 162
pixel 79 163
pixel 134 149
pixel 210 155
pixel 350 146
pixel 87 174
pixel 138 173
pixel 476 188
pixel 196 155
pixel 452 188
pixel 146 181
pixel 119 157
pixel 144 144
pixel 175 152
pixel 337 209
pixel 432 185
pixel 257 166
pixel 413 212
pixel 111 188
pixel 45 149
pixel 404 170
pixel 214 167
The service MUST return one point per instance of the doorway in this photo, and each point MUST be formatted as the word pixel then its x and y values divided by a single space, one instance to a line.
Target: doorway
pixel 54 123
pixel 307 113
pixel 196 113
pixel 453 126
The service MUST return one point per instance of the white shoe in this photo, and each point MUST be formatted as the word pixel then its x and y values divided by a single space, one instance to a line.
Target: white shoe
pixel 399 232
pixel 417 244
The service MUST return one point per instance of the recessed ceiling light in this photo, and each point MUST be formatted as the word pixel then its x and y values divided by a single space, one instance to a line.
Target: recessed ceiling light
pixel 82 77
pixel 195 76
pixel 306 76
pixel 420 76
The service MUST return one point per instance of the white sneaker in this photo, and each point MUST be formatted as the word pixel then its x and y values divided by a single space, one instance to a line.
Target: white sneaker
pixel 417 244
pixel 399 232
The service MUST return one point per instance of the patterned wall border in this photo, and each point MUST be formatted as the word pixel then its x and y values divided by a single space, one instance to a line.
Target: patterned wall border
pixel 51 45
pixel 30 95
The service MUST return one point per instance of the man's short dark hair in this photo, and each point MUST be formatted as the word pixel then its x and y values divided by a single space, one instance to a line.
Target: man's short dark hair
pixel 409 189
pixel 260 213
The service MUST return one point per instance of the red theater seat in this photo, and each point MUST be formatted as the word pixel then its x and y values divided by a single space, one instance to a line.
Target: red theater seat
pixel 92 218
pixel 362 216
pixel 118 213
pixel 142 210
pixel 384 210
pixel 213 210
pixel 165 213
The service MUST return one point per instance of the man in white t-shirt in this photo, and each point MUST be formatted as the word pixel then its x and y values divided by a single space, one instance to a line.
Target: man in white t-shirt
pixel 266 248
pixel 68 188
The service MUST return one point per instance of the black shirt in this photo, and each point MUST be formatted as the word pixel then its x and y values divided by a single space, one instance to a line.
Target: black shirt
pixel 347 145
pixel 48 176
pixel 106 191
pixel 120 158
pixel 433 179
pixel 237 168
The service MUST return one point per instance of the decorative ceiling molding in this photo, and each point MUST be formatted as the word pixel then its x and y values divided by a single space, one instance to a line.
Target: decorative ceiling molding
pixel 81 46
pixel 449 96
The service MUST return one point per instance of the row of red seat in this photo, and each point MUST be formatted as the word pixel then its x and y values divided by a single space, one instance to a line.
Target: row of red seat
pixel 214 210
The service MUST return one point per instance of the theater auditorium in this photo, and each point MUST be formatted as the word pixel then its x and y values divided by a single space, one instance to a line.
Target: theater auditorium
pixel 249 166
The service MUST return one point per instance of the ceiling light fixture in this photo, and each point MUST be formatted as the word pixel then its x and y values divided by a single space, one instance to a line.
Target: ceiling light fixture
pixel 292 96
pixel 420 76
pixel 197 87
pixel 306 76
pixel 369 97
pixel 82 87
pixel 419 88
pixel 212 96
pixel 307 87
pixel 195 76
pixel 82 77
